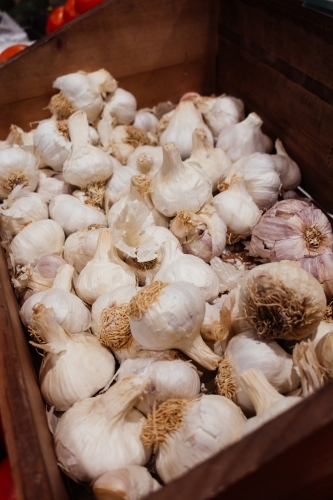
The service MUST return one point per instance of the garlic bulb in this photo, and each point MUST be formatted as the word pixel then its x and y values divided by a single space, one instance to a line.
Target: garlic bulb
pixel 119 184
pixel 146 159
pixel 324 327
pixel 122 106
pixel 220 112
pixel 321 267
pixel 267 401
pixel 39 238
pixel 104 272
pixel 51 184
pixel 185 119
pixel 145 119
pixel 179 186
pixel 177 266
pixel 124 140
pixel 215 162
pixel 82 91
pixel 164 121
pixel 282 300
pixel 80 247
pixel 101 434
pixel 288 170
pixel 75 367
pixel 132 482
pixel 70 312
pixel 202 234
pixel 237 209
pixel 244 138
pixel 324 352
pixel 187 432
pixel 261 180
pixel 17 168
pixel 73 215
pixel 246 351
pixel 51 139
pixel 164 316
pixel 17 136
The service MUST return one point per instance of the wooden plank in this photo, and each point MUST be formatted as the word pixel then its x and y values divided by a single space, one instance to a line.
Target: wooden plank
pixel 303 121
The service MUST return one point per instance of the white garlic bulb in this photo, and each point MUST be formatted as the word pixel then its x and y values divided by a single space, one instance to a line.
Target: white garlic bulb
pixel 37 239
pixel 119 184
pixel 145 119
pixel 17 167
pixel 122 106
pixel 75 367
pixel 324 327
pixel 101 434
pixel 244 138
pixel 187 432
pixel 52 142
pixel 220 112
pixel 178 185
pixel 17 136
pixel 125 139
pixel 74 215
pixel 288 170
pixel 80 247
pixel 146 159
pixel 105 272
pixel 185 119
pixel 51 183
pixel 164 316
pixel 168 380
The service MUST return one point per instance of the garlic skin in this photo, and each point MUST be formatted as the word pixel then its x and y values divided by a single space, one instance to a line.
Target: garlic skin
pixel 51 184
pixel 52 142
pixel 73 215
pixel 229 276
pixel 125 138
pixel 104 272
pixel 221 112
pixel 17 136
pixel 122 106
pixel 215 162
pixel 132 482
pixel 168 379
pixel 119 184
pixel 146 120
pixel 185 119
pixel 146 159
pixel 312 372
pixel 75 367
pixel 179 186
pixel 321 267
pixel 244 138
pixel 17 167
pixel 282 300
pixel 324 352
pixel 80 247
pixel 177 267
pixel 39 238
pixel 288 170
pixel 164 316
pixel 324 327
pixel 100 434
pixel 237 209
pixel 205 426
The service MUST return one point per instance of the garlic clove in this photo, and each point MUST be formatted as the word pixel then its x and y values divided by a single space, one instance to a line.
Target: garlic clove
pixel 122 106
pixel 288 170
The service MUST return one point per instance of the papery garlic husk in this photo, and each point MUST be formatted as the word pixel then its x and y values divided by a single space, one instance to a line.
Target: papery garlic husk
pixel 82 91
pixel 69 311
pixel 169 316
pixel 237 209
pixel 101 434
pixel 80 247
pixel 51 139
pixel 244 138
pixel 132 482
pixel 51 184
pixel 203 234
pixel 105 272
pixel 267 401
pixel 185 119
pixel 288 170
pixel 213 331
pixel 282 300
pixel 17 168
pixel 177 266
pixel 35 240
pixel 179 186
pixel 168 380
pixel 246 351
pixel 122 106
pixel 204 426
pixel 214 161
pixel 229 276
pixel 17 136
pixel 324 352
pixel 146 159
pixel 261 180
pixel 75 366
pixel 19 209
pixel 310 368
pixel 145 119
pixel 124 140
pixel 74 215
pixel 119 184
pixel 230 314
pixel 220 112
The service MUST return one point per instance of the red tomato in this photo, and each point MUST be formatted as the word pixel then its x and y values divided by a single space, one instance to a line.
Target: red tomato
pixel 11 51
pixel 69 11
pixel 6 481
pixel 82 6
pixel 55 19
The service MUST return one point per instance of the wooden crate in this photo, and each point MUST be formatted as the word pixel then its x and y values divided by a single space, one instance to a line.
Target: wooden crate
pixel 275 55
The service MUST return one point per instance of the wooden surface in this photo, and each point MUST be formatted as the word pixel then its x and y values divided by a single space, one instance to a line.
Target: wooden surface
pixel 278 57
pixel 158 49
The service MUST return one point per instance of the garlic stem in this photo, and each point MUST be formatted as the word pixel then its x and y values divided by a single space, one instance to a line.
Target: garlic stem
pixel 201 353
pixel 47 326
pixel 63 280
pixel 261 392
pixel 78 127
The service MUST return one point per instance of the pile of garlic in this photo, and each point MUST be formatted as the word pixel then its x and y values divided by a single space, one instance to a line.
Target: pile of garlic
pixel 135 276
